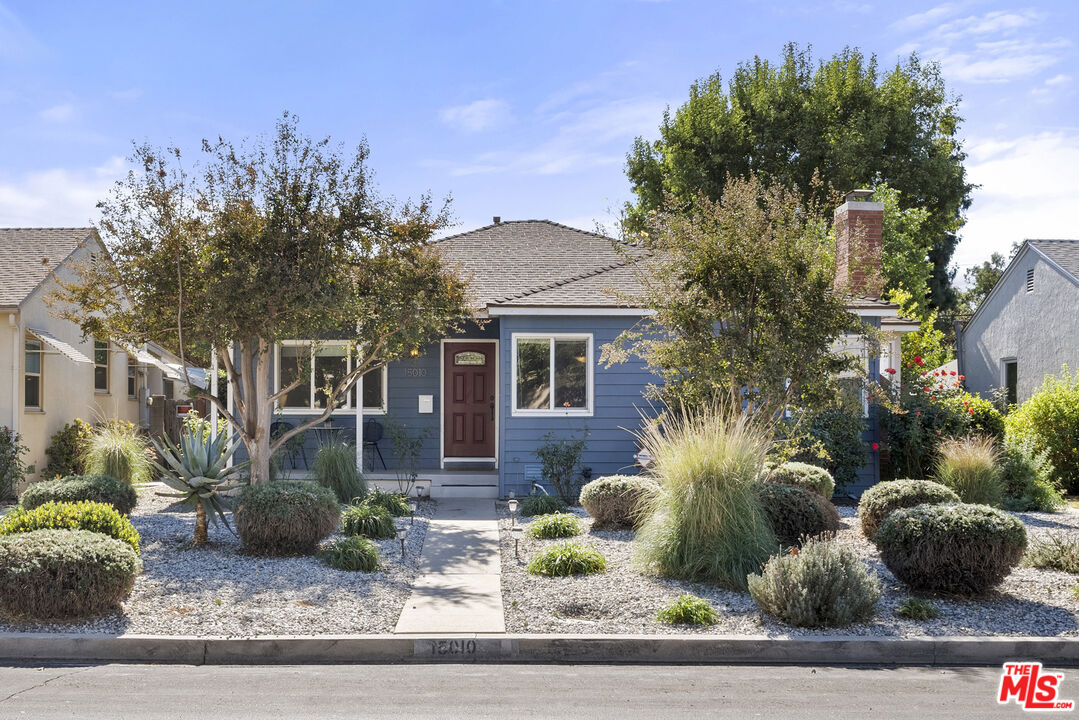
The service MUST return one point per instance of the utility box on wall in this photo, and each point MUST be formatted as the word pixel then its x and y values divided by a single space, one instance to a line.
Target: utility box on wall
pixel 426 404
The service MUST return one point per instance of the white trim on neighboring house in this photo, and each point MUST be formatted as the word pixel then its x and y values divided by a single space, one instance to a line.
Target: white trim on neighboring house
pixel 496 310
pixel 442 459
pixel 587 411
pixel 1054 263
pixel 347 406
pixel 875 312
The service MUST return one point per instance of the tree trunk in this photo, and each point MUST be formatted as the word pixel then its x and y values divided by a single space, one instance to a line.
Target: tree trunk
pixel 201 530
pixel 260 413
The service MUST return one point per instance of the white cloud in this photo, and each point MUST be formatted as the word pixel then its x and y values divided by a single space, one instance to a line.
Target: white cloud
pixel 1058 80
pixel 58 113
pixel 920 20
pixel 56 197
pixel 992 23
pixel 1001 61
pixel 1028 190
pixel 476 116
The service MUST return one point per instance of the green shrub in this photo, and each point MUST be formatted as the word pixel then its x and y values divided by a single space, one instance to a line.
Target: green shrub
pixel 1049 421
pixel 1028 479
pixel 688 610
pixel 565 559
pixel 285 518
pixel 354 554
pixel 803 475
pixel 612 501
pixel 12 468
pixel 555 525
pixel 984 417
pixel 822 585
pixel 969 466
pixel 795 513
pixel 372 521
pixel 57 574
pixel 705 522
pixel 66 449
pixel 118 450
pixel 957 549
pixel 839 432
pixel 83 515
pixel 560 459
pixel 541 505
pixel 884 497
pixel 395 504
pixel 335 468
pixel 917 609
pixel 1054 551
pixel 94 488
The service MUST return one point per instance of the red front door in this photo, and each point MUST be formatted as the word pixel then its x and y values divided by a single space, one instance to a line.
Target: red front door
pixel 469 393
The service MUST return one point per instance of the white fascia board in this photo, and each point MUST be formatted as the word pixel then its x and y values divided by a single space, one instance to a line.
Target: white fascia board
pixel 496 310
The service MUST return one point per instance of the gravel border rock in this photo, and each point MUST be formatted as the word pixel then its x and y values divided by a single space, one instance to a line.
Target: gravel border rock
pixel 1030 602
pixel 216 590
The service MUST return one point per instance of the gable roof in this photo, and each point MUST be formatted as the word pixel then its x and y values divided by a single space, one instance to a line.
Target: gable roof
pixel 542 261
pixel 1064 253
pixel 30 255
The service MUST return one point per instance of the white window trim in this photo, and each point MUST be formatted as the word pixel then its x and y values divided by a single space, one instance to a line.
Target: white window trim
pixel 107 365
pixel 586 411
pixel 40 374
pixel 132 367
pixel 863 354
pixel 311 409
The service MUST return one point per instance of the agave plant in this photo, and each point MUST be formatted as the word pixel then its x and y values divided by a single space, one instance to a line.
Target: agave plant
pixel 197 471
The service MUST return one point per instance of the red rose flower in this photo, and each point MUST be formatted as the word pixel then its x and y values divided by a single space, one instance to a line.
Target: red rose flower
pixel 875 446
pixel 890 371
pixel 961 377
pixel 918 359
pixel 951 372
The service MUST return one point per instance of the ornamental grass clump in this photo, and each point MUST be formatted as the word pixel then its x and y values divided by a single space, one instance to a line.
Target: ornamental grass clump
pixel 565 559
pixel 796 514
pixel 555 525
pixel 61 574
pixel 372 521
pixel 1054 551
pixel 353 554
pixel 118 450
pixel 822 585
pixel 885 497
pixel 705 522
pixel 94 488
pixel 688 610
pixel 917 609
pixel 970 466
pixel 614 501
pixel 335 468
pixel 396 504
pixel 802 475
pixel 83 515
pixel 541 505
pixel 958 549
pixel 285 517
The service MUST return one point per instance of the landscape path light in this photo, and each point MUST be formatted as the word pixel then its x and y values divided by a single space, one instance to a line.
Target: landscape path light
pixel 411 512
pixel 517 530
pixel 513 512
pixel 401 532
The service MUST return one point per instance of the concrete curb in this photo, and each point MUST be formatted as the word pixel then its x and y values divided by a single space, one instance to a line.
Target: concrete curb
pixel 33 648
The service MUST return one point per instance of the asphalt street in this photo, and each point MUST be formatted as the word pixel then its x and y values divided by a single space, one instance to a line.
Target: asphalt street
pixel 142 692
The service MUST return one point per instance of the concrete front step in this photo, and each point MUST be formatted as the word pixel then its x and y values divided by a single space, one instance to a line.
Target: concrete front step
pixel 465 491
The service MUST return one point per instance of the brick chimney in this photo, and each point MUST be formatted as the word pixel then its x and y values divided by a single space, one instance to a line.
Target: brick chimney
pixel 858 268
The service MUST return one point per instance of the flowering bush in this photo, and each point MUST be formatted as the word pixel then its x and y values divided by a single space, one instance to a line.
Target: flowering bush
pixel 928 407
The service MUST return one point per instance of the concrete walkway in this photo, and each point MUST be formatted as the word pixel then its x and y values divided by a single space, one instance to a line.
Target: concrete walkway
pixel 459 589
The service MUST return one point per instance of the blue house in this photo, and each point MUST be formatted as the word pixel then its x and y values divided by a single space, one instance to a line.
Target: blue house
pixel 546 298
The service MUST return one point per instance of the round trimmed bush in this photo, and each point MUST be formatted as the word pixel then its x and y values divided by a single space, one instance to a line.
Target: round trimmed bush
pixel 796 513
pixel 823 585
pixel 83 515
pixel 555 525
pixel 565 559
pixel 371 521
pixel 95 488
pixel 956 549
pixel 613 500
pixel 541 505
pixel 354 554
pixel 56 574
pixel 285 518
pixel 803 475
pixel 884 497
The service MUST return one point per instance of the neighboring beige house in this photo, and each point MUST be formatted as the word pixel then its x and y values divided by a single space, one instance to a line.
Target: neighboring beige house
pixel 49 373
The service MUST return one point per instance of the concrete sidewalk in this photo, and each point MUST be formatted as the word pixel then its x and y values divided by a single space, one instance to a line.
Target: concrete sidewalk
pixel 459 590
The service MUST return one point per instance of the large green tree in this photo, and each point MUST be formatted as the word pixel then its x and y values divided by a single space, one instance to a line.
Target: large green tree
pixel 842 119
pixel 271 239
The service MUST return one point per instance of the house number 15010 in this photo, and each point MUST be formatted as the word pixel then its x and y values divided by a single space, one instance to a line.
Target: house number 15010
pixel 453 647
pixel 415 372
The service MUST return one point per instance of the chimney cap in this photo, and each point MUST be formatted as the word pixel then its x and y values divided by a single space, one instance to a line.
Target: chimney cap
pixel 858 196
pixel 497 219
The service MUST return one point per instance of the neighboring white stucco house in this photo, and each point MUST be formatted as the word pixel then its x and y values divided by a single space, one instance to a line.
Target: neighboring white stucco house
pixel 1028 325
pixel 49 373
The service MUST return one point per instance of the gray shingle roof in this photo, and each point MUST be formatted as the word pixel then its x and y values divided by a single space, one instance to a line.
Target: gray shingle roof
pixel 1064 253
pixel 28 255
pixel 528 262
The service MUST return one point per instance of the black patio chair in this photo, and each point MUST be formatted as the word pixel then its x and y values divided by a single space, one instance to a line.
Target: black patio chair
pixel 372 433
pixel 292 448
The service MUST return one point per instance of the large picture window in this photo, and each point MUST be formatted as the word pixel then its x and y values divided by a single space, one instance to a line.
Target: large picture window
pixel 552 374
pixel 323 366
pixel 101 366
pixel 32 374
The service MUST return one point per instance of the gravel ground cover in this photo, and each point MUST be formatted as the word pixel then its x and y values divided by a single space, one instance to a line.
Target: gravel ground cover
pixel 217 590
pixel 1030 602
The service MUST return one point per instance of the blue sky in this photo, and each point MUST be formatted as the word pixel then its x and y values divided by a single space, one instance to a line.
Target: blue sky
pixel 523 110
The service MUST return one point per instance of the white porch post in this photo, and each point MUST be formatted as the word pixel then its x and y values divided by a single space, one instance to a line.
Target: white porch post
pixel 359 422
pixel 229 400
pixel 213 391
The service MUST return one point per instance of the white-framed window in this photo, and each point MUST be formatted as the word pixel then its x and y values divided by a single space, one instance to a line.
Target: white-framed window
pixel 101 366
pixel 852 383
pixel 33 374
pixel 324 364
pixel 132 377
pixel 552 374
